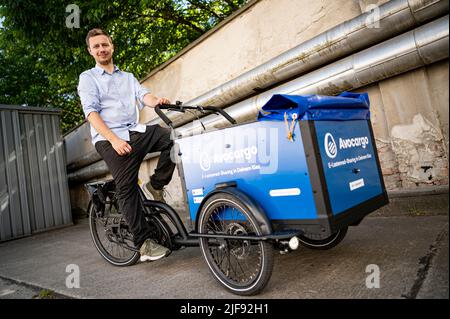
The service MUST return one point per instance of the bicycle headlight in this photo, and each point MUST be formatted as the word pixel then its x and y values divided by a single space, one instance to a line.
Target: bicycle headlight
pixel 293 243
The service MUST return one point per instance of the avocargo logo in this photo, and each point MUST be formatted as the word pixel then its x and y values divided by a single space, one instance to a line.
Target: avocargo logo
pixel 353 142
pixel 331 148
pixel 239 155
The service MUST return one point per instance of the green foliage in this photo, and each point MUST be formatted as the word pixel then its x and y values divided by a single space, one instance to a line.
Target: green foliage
pixel 45 294
pixel 41 58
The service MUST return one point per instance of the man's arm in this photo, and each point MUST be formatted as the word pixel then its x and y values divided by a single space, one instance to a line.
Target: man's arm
pixel 145 97
pixel 121 146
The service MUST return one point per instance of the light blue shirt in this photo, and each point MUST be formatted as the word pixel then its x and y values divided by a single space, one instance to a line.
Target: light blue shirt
pixel 114 96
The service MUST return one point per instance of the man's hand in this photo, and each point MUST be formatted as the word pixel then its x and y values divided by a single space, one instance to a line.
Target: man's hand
pixel 119 145
pixel 162 100
pixel 122 147
pixel 152 100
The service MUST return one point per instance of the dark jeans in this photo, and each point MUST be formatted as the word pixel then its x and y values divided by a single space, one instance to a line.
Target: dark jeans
pixel 124 170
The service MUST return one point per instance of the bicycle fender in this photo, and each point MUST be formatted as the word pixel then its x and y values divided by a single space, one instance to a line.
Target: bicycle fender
pixel 252 205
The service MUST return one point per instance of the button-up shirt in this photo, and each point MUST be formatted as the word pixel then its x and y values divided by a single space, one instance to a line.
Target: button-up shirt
pixel 114 96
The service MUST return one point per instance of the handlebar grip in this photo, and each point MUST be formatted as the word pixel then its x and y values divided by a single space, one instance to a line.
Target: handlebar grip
pixel 180 108
pixel 224 114
pixel 163 116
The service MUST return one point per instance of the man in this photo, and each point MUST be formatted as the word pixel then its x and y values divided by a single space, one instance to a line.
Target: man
pixel 108 96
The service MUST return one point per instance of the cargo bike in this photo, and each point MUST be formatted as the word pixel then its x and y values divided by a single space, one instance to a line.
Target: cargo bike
pixel 302 173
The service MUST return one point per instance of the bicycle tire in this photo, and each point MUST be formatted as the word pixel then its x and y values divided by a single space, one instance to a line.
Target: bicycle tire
pixel 326 243
pixel 260 268
pixel 96 230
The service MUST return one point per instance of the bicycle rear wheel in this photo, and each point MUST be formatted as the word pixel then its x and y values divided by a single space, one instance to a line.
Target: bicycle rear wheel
pixel 244 267
pixel 111 237
pixel 326 243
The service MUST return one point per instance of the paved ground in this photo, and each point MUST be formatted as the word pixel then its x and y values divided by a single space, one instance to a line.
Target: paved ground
pixel 11 289
pixel 409 247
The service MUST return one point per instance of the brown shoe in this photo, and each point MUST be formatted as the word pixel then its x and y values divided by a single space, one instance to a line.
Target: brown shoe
pixel 155 194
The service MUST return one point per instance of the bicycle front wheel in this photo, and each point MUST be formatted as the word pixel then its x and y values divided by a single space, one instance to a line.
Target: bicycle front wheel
pixel 244 267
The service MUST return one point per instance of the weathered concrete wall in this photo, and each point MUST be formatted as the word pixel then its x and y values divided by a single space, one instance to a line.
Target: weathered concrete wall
pixel 409 114
pixel 264 31
pixel 410 120
pixel 409 111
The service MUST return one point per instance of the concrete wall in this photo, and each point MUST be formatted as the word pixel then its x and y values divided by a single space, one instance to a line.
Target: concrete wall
pixel 410 121
pixel 262 32
pixel 409 115
pixel 409 111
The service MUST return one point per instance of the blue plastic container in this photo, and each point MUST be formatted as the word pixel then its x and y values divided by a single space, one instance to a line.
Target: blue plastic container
pixel 309 161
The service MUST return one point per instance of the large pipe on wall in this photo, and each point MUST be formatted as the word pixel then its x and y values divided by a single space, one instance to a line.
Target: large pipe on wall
pixel 422 46
pixel 382 23
pixel 394 17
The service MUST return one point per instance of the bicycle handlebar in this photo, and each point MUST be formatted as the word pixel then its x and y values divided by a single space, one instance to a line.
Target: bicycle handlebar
pixel 181 108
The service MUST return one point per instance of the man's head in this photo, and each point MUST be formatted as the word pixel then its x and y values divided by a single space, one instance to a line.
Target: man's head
pixel 100 46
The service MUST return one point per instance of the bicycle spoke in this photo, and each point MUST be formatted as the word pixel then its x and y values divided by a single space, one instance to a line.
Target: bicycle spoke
pixel 238 260
pixel 109 233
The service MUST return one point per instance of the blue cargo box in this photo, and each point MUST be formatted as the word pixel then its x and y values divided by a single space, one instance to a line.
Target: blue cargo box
pixel 309 161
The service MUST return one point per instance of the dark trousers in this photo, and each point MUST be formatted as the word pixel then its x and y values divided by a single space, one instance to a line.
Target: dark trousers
pixel 124 170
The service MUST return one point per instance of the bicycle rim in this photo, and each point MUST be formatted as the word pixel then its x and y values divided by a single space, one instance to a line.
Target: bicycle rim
pixel 110 236
pixel 242 266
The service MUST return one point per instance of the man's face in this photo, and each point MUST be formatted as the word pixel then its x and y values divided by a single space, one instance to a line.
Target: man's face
pixel 101 49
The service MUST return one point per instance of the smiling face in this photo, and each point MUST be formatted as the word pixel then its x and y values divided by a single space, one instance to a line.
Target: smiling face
pixel 101 48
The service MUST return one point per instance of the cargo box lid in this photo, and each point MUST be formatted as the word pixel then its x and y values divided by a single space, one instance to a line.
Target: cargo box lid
pixel 346 106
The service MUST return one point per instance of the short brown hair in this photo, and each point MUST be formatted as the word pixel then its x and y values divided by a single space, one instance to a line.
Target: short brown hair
pixel 94 32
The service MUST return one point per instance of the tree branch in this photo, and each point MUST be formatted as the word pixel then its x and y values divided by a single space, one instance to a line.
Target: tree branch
pixel 232 5
pixel 202 6
pixel 175 17
pixel 169 16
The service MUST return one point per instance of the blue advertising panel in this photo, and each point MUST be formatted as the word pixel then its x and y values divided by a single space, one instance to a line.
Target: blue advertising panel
pixel 258 156
pixel 349 163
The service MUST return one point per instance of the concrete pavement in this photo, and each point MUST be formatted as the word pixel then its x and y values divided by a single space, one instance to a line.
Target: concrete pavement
pixel 408 246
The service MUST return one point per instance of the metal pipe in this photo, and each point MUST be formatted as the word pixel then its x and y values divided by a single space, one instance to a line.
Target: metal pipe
pixel 422 46
pixel 393 18
pixel 98 168
pixel 273 236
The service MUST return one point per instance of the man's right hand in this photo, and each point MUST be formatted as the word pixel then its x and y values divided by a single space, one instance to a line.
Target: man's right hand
pixel 122 147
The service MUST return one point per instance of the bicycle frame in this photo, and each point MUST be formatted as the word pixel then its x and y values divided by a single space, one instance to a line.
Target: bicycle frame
pixel 183 237
pixel 190 239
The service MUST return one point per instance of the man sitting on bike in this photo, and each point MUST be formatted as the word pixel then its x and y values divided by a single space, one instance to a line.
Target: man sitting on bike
pixel 108 96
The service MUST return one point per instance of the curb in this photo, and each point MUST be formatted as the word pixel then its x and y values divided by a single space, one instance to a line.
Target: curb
pixel 435 190
pixel 424 202
pixel 56 293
